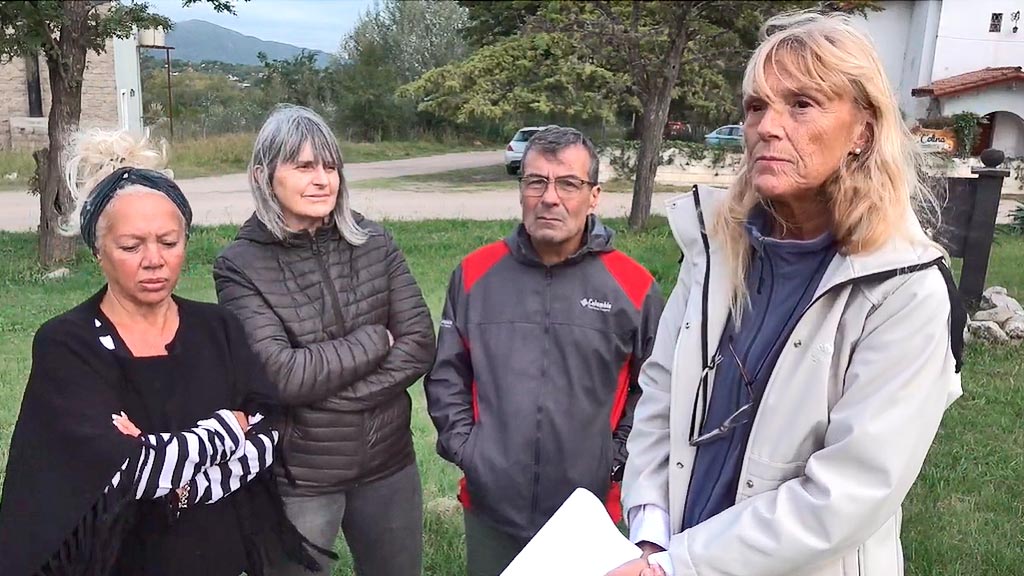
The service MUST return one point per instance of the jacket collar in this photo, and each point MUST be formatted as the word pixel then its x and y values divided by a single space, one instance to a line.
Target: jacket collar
pixel 255 230
pixel 597 239
pixel 895 254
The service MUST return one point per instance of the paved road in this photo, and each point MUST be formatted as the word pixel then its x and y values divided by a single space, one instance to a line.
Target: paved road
pixel 226 200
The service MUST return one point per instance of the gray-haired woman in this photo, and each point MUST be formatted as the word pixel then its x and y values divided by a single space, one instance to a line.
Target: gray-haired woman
pixel 331 309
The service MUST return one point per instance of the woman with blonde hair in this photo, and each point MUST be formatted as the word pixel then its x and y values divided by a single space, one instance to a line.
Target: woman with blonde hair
pixel 141 446
pixel 812 342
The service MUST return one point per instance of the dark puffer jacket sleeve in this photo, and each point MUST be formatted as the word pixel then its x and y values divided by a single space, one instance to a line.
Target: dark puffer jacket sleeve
pixel 306 374
pixel 413 351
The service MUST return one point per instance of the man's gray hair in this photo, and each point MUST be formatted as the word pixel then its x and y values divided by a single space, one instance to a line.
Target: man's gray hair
pixel 551 141
pixel 280 141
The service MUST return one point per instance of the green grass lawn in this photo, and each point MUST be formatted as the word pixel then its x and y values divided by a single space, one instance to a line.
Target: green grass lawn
pixel 964 517
pixel 230 153
pixel 618 186
pixel 467 179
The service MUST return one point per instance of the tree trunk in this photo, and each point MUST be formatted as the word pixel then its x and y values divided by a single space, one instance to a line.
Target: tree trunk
pixel 66 65
pixel 656 100
pixel 648 158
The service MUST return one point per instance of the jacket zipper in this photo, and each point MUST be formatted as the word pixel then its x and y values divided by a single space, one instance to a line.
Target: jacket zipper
pixel 704 315
pixel 544 373
pixel 766 259
pixel 701 388
pixel 332 290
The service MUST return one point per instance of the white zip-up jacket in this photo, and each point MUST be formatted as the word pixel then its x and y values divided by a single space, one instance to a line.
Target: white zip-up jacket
pixel 846 419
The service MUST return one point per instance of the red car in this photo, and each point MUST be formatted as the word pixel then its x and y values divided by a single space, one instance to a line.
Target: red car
pixel 675 130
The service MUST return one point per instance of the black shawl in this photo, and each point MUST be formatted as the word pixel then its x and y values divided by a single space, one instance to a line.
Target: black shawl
pixel 55 516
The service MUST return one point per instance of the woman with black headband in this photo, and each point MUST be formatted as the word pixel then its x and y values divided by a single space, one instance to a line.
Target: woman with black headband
pixel 141 447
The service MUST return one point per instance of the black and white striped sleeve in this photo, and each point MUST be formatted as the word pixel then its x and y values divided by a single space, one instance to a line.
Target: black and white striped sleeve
pixel 171 460
pixel 215 482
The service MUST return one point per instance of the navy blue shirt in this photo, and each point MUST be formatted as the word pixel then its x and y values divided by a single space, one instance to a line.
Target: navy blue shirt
pixel 781 280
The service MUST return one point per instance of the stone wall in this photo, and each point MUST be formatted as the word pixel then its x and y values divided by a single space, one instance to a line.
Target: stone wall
pixel 27 133
pixel 13 97
pixel 99 100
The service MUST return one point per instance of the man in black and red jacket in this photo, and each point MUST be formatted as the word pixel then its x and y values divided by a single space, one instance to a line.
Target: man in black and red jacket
pixel 541 341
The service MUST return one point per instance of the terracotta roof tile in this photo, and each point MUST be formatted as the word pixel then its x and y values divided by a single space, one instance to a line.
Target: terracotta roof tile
pixel 970 81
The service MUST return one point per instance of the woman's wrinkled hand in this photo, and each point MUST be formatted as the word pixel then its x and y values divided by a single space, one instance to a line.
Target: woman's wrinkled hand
pixel 638 567
pixel 125 425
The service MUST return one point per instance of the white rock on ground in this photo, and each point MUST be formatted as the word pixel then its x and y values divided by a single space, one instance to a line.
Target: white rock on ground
pixel 986 297
pixel 999 314
pixel 1004 301
pixel 1014 327
pixel 987 332
pixel 1000 319
pixel 57 274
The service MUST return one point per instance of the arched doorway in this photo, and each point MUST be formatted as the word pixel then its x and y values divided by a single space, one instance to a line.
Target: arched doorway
pixel 1005 131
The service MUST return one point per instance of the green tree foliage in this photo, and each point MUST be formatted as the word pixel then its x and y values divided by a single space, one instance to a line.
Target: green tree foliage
pixel 521 80
pixel 367 108
pixel 390 46
pixel 592 59
pixel 419 35
pixel 203 103
pixel 490 22
pixel 297 80
pixel 967 127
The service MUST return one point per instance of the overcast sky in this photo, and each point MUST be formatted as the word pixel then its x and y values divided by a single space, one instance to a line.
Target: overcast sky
pixel 317 24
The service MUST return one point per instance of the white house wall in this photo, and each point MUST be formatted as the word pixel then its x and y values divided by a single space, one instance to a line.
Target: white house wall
pixel 1005 98
pixel 904 35
pixel 917 70
pixel 964 43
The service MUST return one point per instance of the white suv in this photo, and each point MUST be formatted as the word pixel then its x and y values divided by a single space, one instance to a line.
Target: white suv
pixel 515 148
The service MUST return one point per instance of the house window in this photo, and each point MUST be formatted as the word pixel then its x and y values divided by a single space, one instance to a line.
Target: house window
pixel 996 23
pixel 35 94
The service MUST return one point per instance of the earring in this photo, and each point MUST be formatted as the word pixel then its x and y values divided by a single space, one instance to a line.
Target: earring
pixel 856 151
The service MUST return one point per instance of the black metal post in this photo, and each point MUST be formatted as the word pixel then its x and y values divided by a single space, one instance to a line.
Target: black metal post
pixel 35 94
pixel 982 226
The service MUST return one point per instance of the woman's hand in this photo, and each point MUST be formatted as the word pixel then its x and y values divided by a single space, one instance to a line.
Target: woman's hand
pixel 243 420
pixel 128 428
pixel 125 426
pixel 638 567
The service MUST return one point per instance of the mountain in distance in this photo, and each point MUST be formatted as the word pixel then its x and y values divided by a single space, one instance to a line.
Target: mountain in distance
pixel 198 40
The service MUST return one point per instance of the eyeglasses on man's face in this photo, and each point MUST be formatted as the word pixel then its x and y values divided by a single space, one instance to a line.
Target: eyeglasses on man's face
pixel 565 186
pixel 741 416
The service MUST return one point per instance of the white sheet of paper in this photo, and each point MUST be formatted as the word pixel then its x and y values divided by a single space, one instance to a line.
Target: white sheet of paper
pixel 580 539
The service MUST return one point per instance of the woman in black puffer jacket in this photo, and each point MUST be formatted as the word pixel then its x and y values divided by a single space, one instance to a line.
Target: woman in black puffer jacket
pixel 330 307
